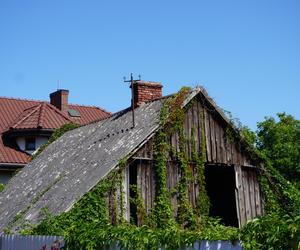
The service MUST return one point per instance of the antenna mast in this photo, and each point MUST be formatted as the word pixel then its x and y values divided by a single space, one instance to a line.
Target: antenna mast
pixel 131 81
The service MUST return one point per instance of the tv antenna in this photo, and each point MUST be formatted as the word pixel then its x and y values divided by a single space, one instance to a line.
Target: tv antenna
pixel 132 81
pixel 58 82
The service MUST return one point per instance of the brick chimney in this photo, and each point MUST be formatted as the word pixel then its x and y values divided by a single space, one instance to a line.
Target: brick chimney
pixel 59 99
pixel 146 91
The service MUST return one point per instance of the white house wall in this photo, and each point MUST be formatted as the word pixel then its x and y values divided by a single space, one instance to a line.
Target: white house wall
pixel 39 141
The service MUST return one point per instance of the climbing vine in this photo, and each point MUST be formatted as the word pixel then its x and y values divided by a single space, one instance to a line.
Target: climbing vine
pixel 203 202
pixel 162 214
pixel 172 122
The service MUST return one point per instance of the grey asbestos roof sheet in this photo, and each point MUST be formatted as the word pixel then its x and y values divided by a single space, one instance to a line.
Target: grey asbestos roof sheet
pixel 72 165
pixel 75 163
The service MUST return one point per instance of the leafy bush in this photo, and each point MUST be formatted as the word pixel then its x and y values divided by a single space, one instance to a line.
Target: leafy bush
pixel 272 231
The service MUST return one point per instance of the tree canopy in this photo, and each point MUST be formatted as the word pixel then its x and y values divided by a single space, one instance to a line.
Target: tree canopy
pixel 280 142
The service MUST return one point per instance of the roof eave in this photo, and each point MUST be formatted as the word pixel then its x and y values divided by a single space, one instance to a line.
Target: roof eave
pixel 12 132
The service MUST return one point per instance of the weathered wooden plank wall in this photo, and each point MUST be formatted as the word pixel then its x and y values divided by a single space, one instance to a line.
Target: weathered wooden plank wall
pixel 248 194
pixel 220 150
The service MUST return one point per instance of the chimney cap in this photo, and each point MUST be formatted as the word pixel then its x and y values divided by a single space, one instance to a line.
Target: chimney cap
pixel 59 99
pixel 145 91
pixel 148 83
pixel 59 90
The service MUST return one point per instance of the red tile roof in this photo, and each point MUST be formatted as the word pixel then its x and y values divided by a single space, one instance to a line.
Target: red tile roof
pixel 19 114
pixel 42 116
pixel 11 155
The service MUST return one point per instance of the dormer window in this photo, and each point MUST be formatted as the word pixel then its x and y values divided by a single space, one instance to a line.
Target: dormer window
pixel 30 144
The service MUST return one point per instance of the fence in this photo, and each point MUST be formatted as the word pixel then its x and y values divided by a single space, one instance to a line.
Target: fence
pixel 19 242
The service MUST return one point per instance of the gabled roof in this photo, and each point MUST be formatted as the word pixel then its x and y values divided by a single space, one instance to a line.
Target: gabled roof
pixel 20 114
pixel 71 166
pixel 42 116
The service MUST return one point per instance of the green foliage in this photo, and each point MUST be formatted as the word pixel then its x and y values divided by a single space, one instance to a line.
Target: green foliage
pixel 93 235
pixel 2 186
pixel 140 206
pixel 162 214
pixel 56 134
pixel 272 231
pixel 185 211
pixel 280 142
pixel 203 203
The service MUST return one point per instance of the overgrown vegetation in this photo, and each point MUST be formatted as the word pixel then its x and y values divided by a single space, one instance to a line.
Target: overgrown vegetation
pixel 276 144
pixel 94 221
pixel 280 142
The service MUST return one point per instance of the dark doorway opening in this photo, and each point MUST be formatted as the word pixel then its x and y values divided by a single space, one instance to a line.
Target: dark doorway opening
pixel 220 186
pixel 132 192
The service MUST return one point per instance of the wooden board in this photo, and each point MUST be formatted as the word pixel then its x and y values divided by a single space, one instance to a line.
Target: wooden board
pixel 218 142
pixel 241 211
pixel 251 193
pixel 222 147
pixel 195 127
pixel 125 185
pixel 246 195
pixel 207 136
pixel 258 200
pixel 213 139
pixel 200 125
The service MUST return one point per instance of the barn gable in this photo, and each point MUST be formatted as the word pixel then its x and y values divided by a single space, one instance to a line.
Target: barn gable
pixel 71 166
pixel 230 170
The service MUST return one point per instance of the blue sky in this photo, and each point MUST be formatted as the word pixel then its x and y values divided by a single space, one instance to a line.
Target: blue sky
pixel 246 53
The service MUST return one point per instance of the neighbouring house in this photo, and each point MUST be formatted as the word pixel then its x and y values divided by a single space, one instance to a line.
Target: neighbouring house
pixel 74 164
pixel 27 124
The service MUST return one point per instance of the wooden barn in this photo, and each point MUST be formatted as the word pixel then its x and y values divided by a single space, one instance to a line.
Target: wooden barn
pixel 195 133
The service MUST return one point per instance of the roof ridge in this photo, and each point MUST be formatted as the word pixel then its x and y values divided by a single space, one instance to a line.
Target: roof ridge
pixel 20 99
pixel 41 107
pixel 26 116
pixel 40 101
pixel 40 119
pixel 57 111
pixel 34 106
pixel 90 106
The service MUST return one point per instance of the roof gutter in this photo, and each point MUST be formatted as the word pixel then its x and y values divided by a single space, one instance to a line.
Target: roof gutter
pixel 11 166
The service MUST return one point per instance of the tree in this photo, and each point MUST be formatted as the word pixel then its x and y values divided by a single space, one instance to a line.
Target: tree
pixel 280 142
